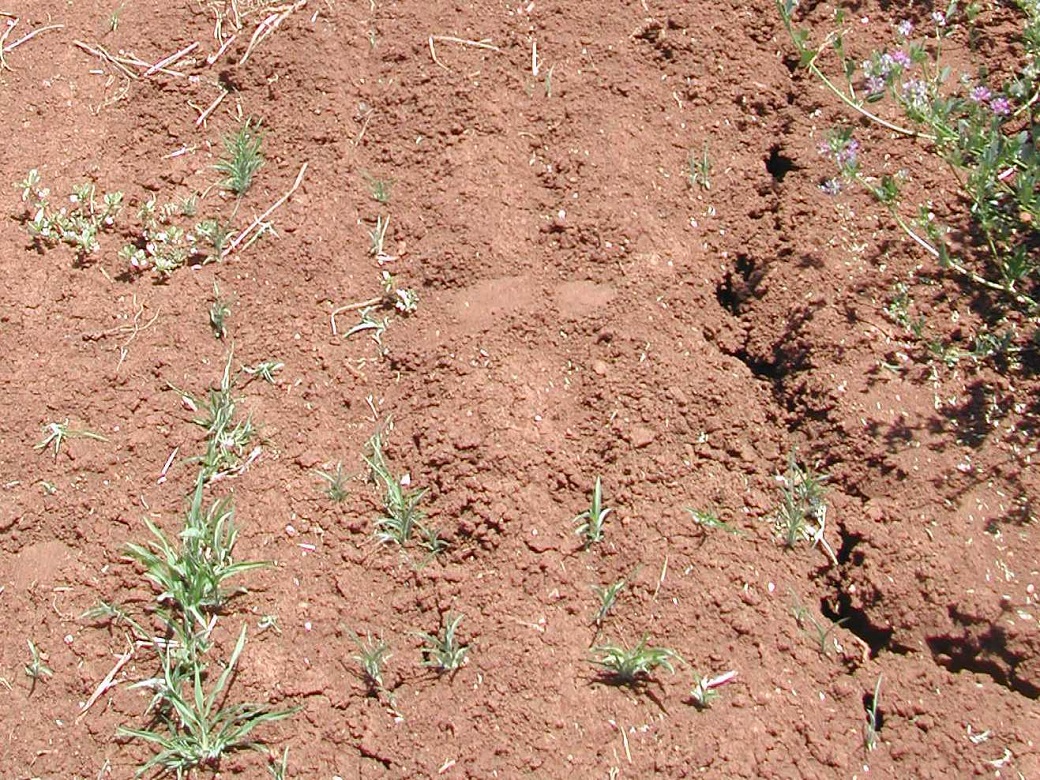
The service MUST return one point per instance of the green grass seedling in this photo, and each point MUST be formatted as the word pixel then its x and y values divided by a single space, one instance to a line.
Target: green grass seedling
pixel 802 515
pixel 265 370
pixel 200 726
pixel 590 522
pixel 704 693
pixel 219 313
pixel 873 725
pixel 700 170
pixel 377 237
pixel 242 158
pixel 403 515
pixel 56 434
pixel 820 630
pixel 607 598
pixel 335 483
pixel 631 666
pixel 709 520
pixel 192 576
pixel 37 668
pixel 444 653
pixel 379 189
pixel 372 657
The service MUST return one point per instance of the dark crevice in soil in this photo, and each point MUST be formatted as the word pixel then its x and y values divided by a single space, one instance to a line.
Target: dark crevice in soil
pixel 778 164
pixel 986 654
pixel 855 621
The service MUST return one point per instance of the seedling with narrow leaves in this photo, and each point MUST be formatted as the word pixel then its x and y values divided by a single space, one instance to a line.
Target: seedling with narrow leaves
pixel 242 158
pixel 700 169
pixel 590 522
pixel 444 652
pixel 872 727
pixel 55 434
pixel 37 668
pixel 371 658
pixel 265 370
pixel 379 189
pixel 709 520
pixel 704 689
pixel 820 630
pixel 633 665
pixel 400 503
pixel 607 596
pixel 219 313
pixel 335 483
pixel 802 515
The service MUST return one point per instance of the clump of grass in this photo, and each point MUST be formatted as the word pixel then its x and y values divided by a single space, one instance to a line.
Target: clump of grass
pixel 196 727
pixel 55 434
pixel 590 522
pixel 872 728
pixel 242 157
pixel 37 668
pixel 700 169
pixel 633 665
pixel 443 652
pixel 401 505
pixel 607 596
pixel 372 657
pixel 710 520
pixel 335 483
pixel 219 313
pixel 802 515
pixel 379 189
pixel 265 370
pixel 704 689
pixel 820 630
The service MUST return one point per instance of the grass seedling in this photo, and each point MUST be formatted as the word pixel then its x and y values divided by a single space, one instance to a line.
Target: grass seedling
pixel 403 515
pixel 191 576
pixel 200 727
pixel 278 766
pixel 335 483
pixel 377 237
pixel 710 521
pixel 432 541
pixel 264 370
pixel 704 693
pixel 631 666
pixel 444 653
pixel 379 189
pixel 590 522
pixel 873 725
pixel 700 169
pixel 372 657
pixel 219 313
pixel 242 158
pixel 802 515
pixel 56 433
pixel 37 667
pixel 607 598
pixel 819 631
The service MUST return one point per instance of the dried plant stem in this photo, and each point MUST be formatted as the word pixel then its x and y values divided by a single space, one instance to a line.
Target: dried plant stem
pixel 231 247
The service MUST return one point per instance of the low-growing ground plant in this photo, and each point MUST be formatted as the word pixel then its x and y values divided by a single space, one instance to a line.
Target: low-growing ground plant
pixel 265 370
pixel 607 596
pixel 335 483
pixel 980 130
pixel 402 517
pixel 705 691
pixel 633 665
pixel 78 224
pixel 242 157
pixel 699 165
pixel 379 189
pixel 590 522
pixel 443 652
pixel 872 727
pixel 802 515
pixel 709 520
pixel 371 658
pixel 55 434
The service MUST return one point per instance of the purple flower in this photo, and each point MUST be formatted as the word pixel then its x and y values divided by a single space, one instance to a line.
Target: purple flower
pixel 875 85
pixel 845 156
pixel 939 18
pixel 1000 106
pixel 831 187
pixel 905 28
pixel 979 94
pixel 901 58
pixel 915 92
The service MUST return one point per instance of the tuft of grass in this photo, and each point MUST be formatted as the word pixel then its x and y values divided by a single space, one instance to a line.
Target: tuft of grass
pixel 377 238
pixel 37 668
pixel 820 630
pixel 590 522
pixel 372 657
pixel 607 596
pixel 699 169
pixel 379 189
pixel 633 665
pixel 704 693
pixel 192 575
pixel 56 434
pixel 197 728
pixel 335 483
pixel 444 652
pixel 401 505
pixel 242 158
pixel 802 515
pixel 709 520
pixel 219 313
pixel 873 725
pixel 265 369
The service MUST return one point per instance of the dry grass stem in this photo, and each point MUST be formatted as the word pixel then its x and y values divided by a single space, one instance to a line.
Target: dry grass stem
pixel 231 247
pixel 269 25
pixel 482 44
pixel 161 65
pixel 204 115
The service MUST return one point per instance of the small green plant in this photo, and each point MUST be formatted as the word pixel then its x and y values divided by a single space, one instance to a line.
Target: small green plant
pixel 278 766
pixel 819 630
pixel 634 665
pixel 77 225
pixel 196 728
pixel 700 169
pixel 265 370
pixel 379 189
pixel 802 515
pixel 55 434
pixel 432 541
pixel 401 505
pixel 377 237
pixel 590 522
pixel 873 725
pixel 444 652
pixel 335 483
pixel 704 689
pixel 372 657
pixel 164 244
pixel 192 575
pixel 709 520
pixel 242 157
pixel 219 313
pixel 607 596
pixel 37 668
